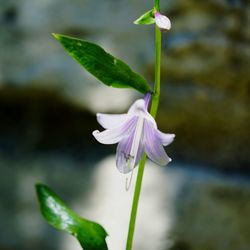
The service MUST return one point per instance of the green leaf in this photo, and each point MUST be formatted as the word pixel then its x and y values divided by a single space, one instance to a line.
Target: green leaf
pixel 146 18
pixel 108 69
pixel 90 234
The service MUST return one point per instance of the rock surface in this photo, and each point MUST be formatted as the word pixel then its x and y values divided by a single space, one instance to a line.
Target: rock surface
pixel 210 213
pixel 206 57
pixel 47 104
pixel 206 76
pixel 205 65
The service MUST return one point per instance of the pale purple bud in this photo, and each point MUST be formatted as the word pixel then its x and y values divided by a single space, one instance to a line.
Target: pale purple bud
pixel 162 21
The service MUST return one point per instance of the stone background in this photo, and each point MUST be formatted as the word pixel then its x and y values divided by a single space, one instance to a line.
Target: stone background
pixel 48 105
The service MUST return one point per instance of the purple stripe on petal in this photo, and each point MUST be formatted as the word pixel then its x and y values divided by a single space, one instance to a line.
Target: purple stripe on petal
pixel 112 136
pixel 153 146
pixel 109 121
pixel 123 154
pixel 150 119
pixel 147 98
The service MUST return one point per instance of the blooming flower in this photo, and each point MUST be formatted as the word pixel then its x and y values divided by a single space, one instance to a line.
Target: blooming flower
pixel 162 21
pixel 135 132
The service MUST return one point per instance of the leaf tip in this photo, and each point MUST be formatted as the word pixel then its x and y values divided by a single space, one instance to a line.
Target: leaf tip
pixel 56 36
pixel 38 187
pixel 136 22
pixel 41 189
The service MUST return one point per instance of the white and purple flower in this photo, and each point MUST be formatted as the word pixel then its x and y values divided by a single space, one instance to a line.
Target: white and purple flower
pixel 135 132
pixel 162 21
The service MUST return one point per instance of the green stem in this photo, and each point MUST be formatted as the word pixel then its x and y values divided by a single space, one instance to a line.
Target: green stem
pixel 135 203
pixel 157 5
pixel 157 86
pixel 153 112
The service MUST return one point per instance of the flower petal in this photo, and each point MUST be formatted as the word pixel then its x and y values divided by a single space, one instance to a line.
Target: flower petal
pixel 137 107
pixel 150 119
pixel 123 154
pixel 139 152
pixel 162 21
pixel 114 135
pixel 130 148
pixel 153 145
pixel 123 157
pixel 165 139
pixel 111 120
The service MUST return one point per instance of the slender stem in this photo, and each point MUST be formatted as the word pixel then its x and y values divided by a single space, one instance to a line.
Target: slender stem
pixel 135 203
pixel 157 5
pixel 157 86
pixel 153 112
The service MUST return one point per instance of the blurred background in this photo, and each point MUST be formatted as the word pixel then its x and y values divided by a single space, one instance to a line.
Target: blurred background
pixel 201 201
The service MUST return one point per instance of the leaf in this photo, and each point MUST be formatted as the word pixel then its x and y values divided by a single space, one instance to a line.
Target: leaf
pixel 146 18
pixel 90 234
pixel 108 69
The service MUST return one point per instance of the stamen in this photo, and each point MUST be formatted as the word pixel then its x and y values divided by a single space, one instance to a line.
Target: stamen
pixel 128 184
pixel 127 157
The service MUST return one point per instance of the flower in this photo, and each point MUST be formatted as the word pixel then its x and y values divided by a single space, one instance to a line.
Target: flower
pixel 135 132
pixel 162 21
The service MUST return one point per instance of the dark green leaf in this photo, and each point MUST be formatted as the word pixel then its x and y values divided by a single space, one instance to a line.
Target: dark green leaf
pixel 108 69
pixel 146 18
pixel 90 234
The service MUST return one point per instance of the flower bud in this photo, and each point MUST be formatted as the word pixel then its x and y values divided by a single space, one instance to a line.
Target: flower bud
pixel 162 21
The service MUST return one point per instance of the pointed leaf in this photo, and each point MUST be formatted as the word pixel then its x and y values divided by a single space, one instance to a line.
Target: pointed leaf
pixel 105 67
pixel 146 18
pixel 90 234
